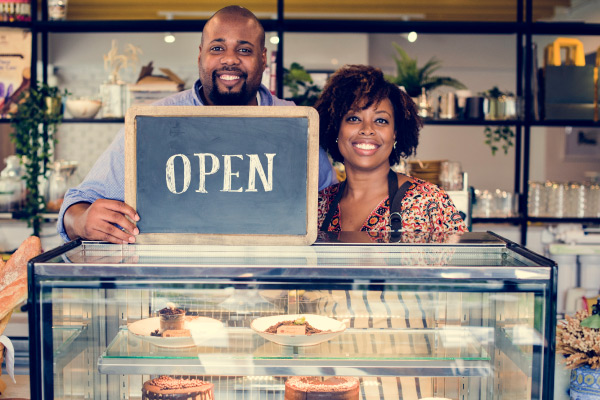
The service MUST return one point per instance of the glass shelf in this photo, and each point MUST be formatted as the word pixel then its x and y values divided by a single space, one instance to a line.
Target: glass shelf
pixel 64 336
pixel 68 342
pixel 453 351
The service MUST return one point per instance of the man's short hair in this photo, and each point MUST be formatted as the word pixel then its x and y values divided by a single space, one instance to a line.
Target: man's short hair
pixel 238 11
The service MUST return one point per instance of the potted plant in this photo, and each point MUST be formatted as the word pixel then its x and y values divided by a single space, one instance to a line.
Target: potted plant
pixel 35 123
pixel 414 78
pixel 301 86
pixel 578 339
pixel 499 105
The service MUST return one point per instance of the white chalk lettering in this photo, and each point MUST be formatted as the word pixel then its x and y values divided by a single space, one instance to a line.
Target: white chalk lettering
pixel 256 166
pixel 227 174
pixel 170 174
pixel 215 167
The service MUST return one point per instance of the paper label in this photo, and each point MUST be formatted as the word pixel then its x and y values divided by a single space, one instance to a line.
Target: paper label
pixel 10 356
pixel 291 330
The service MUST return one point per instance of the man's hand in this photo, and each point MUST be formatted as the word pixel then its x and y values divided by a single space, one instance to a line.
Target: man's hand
pixel 96 221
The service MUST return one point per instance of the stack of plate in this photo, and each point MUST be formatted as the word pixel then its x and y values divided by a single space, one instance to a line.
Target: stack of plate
pixel 427 170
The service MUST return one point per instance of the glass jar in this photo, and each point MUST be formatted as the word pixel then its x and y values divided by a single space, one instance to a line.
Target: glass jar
pixel 12 185
pixel 592 206
pixel 59 181
pixel 537 201
pixel 451 175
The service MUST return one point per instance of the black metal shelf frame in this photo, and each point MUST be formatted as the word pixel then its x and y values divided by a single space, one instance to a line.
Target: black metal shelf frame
pixel 523 28
pixel 319 26
pixel 438 122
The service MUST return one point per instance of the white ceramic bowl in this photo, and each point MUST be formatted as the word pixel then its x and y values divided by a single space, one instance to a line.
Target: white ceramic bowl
pixel 83 108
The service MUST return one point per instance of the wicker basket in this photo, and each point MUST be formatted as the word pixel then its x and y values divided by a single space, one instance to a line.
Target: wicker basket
pixel 427 170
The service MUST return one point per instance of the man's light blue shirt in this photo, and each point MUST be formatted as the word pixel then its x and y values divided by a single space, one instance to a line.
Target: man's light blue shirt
pixel 106 179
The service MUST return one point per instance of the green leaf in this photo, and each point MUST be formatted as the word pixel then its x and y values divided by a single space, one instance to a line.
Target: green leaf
pixel 301 85
pixel 501 135
pixel 593 321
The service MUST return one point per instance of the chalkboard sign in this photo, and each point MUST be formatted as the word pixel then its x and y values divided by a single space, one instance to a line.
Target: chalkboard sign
pixel 223 175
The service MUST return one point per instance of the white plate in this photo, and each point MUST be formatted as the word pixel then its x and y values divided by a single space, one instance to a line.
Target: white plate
pixel 260 325
pixel 201 330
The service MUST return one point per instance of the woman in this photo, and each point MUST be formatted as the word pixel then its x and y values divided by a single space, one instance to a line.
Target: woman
pixel 369 124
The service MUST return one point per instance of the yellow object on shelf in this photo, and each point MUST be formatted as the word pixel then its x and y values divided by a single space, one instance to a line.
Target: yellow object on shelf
pixel 589 302
pixel 574 56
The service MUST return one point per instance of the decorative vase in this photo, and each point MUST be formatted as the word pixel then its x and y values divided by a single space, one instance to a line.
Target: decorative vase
pixel 585 383
pixel 113 100
pixel 53 105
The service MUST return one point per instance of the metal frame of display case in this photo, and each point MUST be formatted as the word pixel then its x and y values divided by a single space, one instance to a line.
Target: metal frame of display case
pixel 111 273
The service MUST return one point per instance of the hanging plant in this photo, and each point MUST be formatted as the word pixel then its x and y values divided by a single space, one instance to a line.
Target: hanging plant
pixel 500 137
pixel 35 123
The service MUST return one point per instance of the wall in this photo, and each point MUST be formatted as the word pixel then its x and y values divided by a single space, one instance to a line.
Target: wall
pixel 557 167
pixel 78 64
pixel 478 61
pixel 77 61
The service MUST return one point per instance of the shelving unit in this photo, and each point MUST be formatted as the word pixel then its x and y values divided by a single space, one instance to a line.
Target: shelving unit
pixel 523 27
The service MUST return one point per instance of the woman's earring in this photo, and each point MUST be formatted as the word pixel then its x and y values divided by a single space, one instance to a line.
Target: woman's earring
pixel 336 140
pixel 395 144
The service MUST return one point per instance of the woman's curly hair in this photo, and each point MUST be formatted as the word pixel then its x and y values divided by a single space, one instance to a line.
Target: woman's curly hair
pixel 355 87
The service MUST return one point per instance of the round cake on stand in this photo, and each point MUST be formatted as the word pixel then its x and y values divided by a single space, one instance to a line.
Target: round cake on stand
pixel 320 388
pixel 169 388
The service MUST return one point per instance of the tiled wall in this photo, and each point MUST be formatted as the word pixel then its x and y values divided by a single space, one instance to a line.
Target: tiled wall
pixel 85 142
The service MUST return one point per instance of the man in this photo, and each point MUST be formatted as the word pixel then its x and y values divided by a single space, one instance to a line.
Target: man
pixel 231 63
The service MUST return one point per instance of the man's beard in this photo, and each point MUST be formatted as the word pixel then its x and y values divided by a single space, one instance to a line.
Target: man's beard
pixel 229 98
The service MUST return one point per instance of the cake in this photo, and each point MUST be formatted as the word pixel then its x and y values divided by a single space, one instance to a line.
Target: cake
pixel 317 388
pixel 169 388
pixel 291 327
pixel 171 318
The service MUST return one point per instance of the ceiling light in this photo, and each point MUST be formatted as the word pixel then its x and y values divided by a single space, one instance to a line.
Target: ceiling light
pixel 169 38
pixel 412 36
pixel 274 39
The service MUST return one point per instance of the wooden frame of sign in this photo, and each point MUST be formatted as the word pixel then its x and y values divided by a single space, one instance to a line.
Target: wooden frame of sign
pixel 223 175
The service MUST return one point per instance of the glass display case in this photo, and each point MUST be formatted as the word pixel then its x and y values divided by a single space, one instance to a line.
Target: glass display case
pixel 453 316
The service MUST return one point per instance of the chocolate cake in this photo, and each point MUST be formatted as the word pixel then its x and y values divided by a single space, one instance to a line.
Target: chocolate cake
pixel 168 388
pixel 317 388
pixel 171 318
